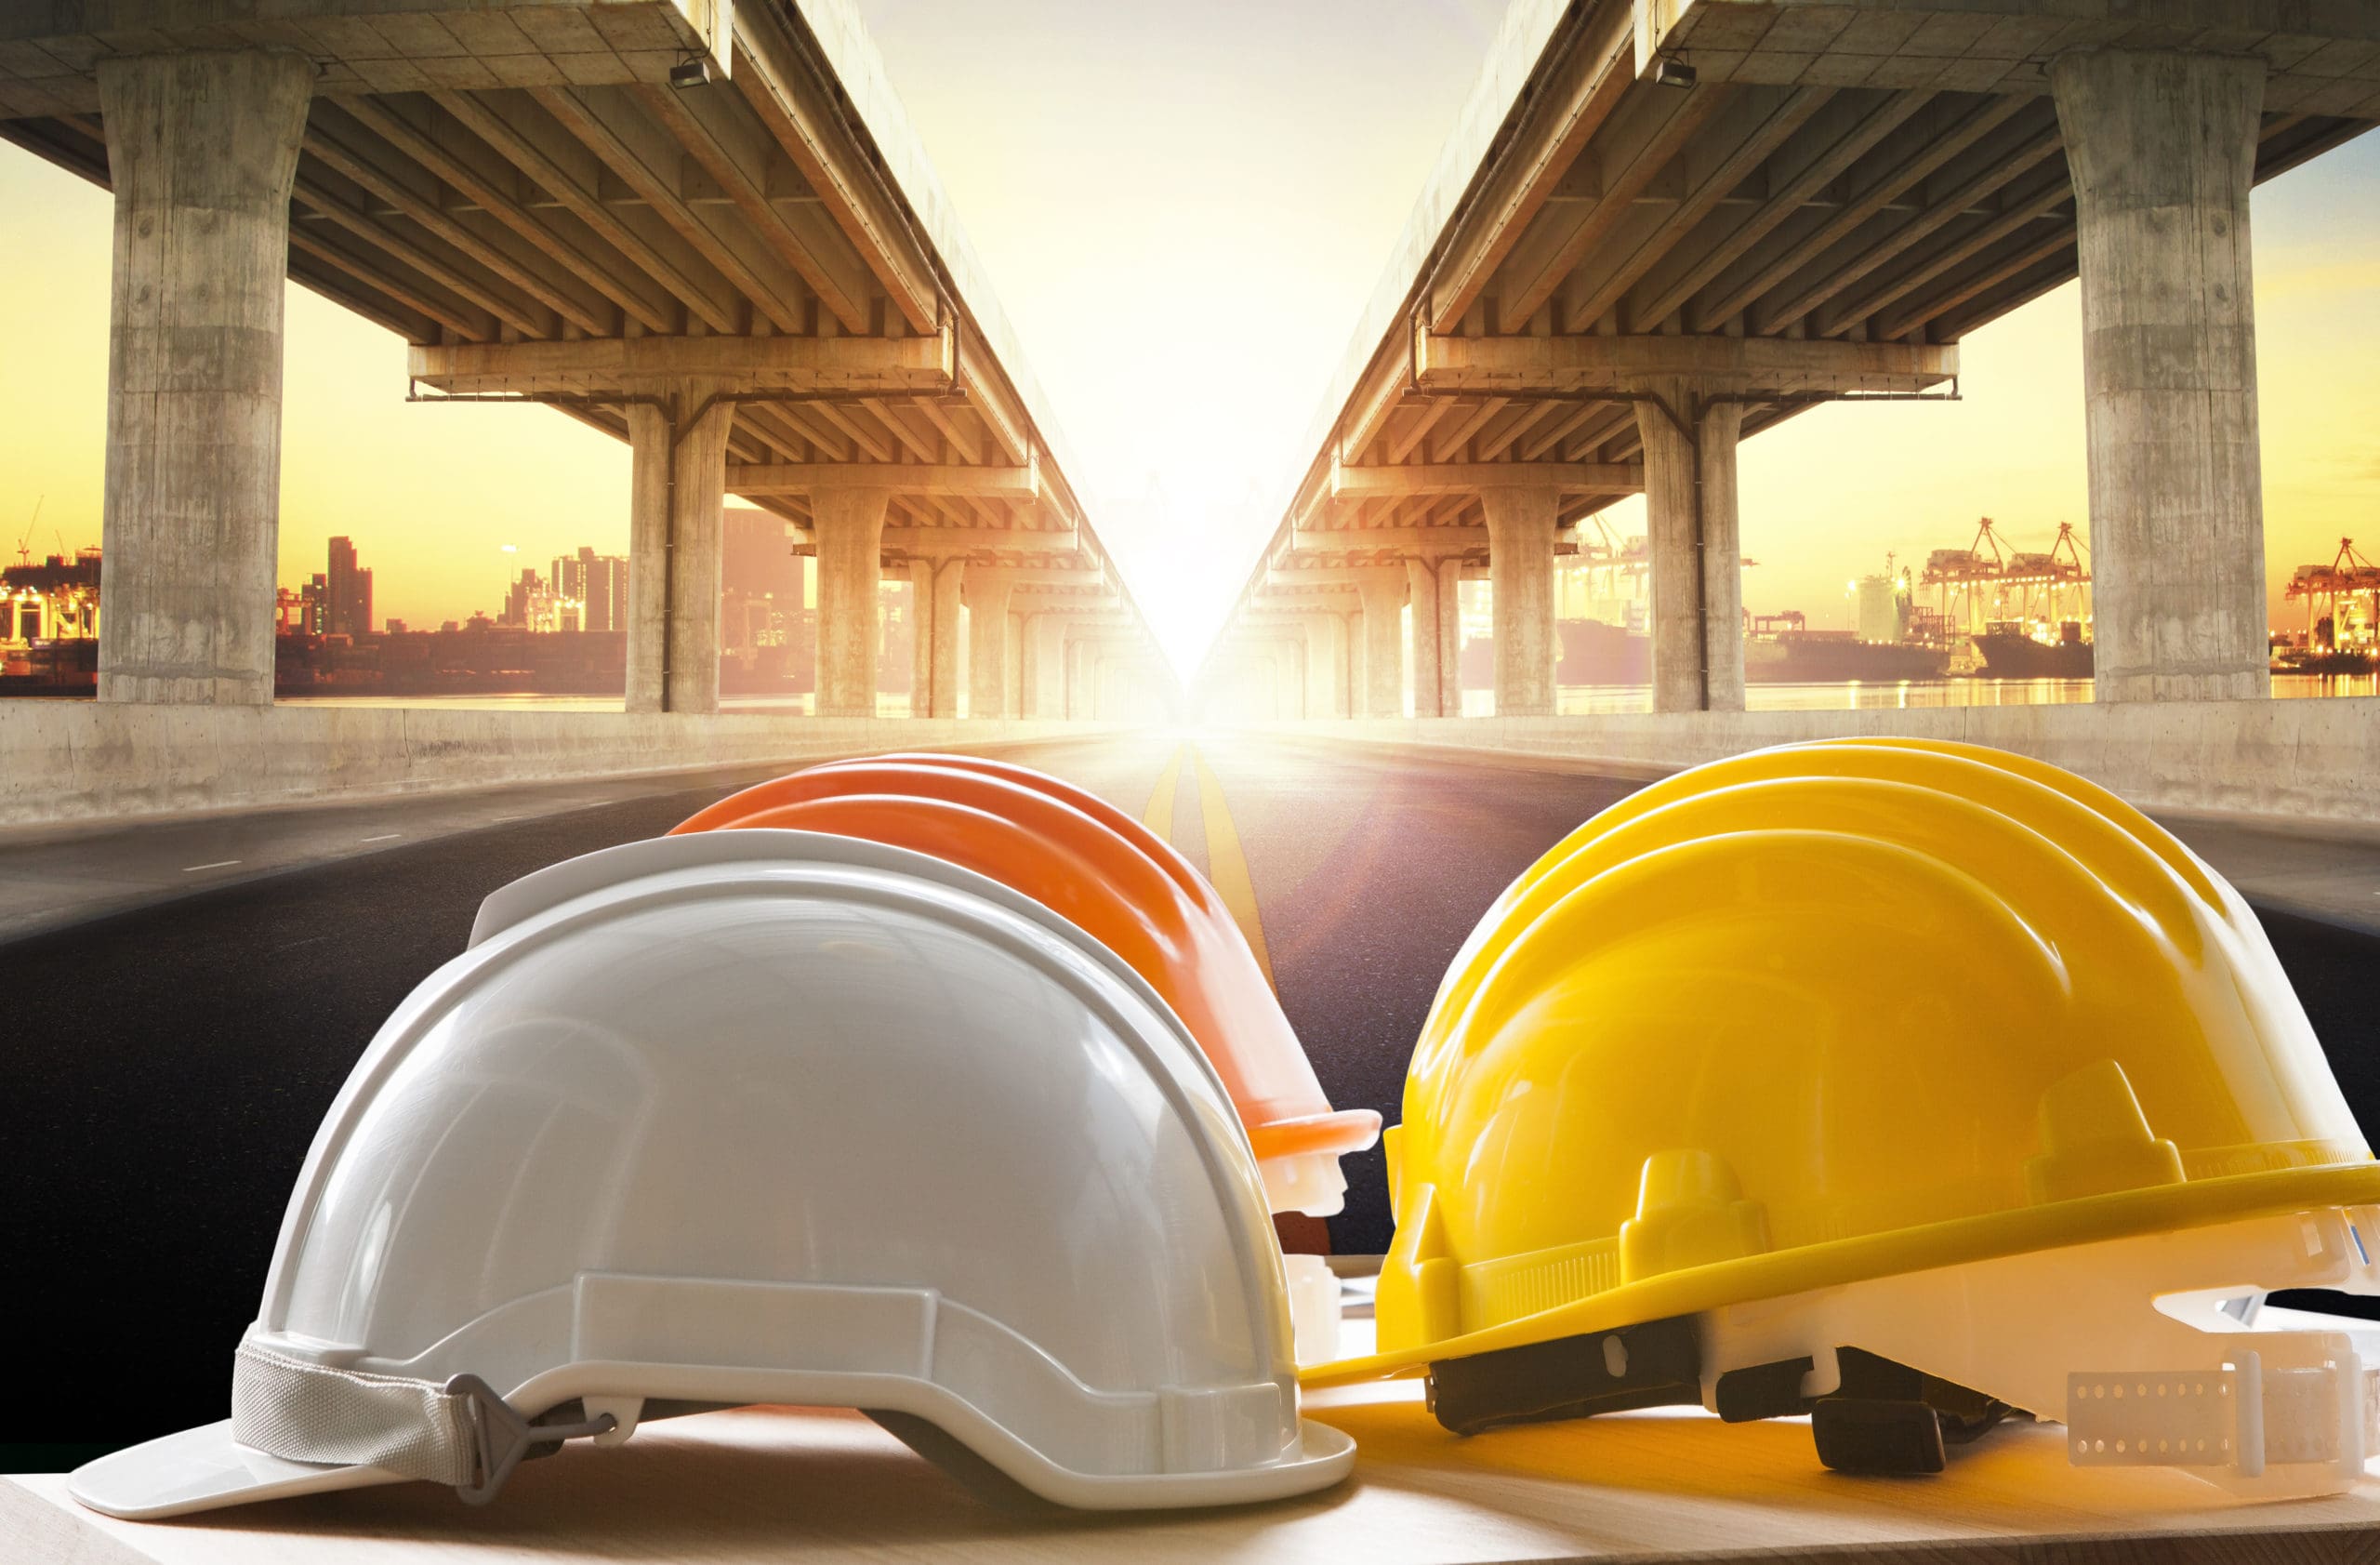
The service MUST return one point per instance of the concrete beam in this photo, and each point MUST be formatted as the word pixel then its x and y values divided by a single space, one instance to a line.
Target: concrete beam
pixel 492 43
pixel 1078 608
pixel 1650 136
pixel 942 479
pixel 1399 540
pixel 988 394
pixel 807 123
pixel 2318 52
pixel 1418 542
pixel 646 366
pixel 968 542
pixel 738 154
pixel 558 164
pixel 1735 366
pixel 1327 576
pixel 645 159
pixel 1464 478
pixel 1586 88
pixel 1042 576
pixel 991 546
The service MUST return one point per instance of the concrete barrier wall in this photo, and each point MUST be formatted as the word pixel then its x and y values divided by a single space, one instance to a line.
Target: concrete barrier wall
pixel 65 760
pixel 2308 760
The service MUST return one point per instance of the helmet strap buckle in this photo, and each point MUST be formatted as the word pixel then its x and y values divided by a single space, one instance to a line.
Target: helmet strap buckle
pixel 502 1438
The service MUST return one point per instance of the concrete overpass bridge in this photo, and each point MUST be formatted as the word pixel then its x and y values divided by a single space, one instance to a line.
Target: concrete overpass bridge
pixel 1660 226
pixel 702 227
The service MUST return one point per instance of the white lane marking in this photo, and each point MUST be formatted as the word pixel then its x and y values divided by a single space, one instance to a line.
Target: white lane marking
pixel 219 864
pixel 383 837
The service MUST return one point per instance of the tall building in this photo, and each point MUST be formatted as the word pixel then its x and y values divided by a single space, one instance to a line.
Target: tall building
pixel 604 582
pixel 760 582
pixel 569 573
pixel 348 611
pixel 524 602
pixel 316 598
pixel 585 591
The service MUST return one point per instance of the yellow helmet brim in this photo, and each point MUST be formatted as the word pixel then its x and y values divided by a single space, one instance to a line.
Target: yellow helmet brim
pixel 2049 1226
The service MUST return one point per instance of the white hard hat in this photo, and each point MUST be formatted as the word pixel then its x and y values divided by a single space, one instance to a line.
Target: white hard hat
pixel 768 1117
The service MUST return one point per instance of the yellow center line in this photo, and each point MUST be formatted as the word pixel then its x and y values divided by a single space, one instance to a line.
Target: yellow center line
pixel 1158 816
pixel 1227 866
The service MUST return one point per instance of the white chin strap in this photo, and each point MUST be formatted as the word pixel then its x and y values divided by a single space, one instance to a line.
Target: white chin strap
pixel 460 1433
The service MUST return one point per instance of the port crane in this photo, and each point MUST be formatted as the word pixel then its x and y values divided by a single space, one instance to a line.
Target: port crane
pixel 1981 578
pixel 1960 576
pixel 2336 587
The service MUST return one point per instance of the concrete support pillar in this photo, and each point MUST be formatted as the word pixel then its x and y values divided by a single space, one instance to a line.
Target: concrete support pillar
pixel 1697 560
pixel 1015 705
pixel 1520 562
pixel 989 593
pixel 1289 678
pixel 1421 588
pixel 1326 665
pixel 849 526
pixel 1045 666
pixel 1351 641
pixel 1077 674
pixel 202 151
pixel 2163 149
pixel 1450 637
pixel 934 585
pixel 1381 589
pixel 949 634
pixel 677 509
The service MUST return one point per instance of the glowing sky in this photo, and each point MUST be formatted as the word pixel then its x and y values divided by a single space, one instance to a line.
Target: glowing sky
pixel 1184 209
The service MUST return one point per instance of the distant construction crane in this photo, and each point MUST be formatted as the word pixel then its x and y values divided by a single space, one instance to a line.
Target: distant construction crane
pixel 25 543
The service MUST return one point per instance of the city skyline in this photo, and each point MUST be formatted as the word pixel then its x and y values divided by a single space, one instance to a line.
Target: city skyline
pixel 1249 168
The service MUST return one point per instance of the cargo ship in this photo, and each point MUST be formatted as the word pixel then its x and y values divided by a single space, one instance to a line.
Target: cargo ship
pixel 1838 657
pixel 2323 660
pixel 1596 653
pixel 2011 650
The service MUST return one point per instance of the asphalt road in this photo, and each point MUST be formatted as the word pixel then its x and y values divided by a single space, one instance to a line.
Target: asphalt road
pixel 168 1063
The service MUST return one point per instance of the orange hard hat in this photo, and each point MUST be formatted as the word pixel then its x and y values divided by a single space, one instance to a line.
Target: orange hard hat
pixel 1117 881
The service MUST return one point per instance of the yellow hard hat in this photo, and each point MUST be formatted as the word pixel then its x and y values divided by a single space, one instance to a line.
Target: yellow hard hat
pixel 1822 1015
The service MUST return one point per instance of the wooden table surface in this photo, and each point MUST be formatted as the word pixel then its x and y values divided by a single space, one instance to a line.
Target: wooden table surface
pixel 773 1484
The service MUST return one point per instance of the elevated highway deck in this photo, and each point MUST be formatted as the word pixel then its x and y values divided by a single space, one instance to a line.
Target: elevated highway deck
pixel 1662 225
pixel 706 228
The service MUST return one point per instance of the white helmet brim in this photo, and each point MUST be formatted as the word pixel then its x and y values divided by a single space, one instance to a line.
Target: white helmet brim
pixel 201 1469
pixel 205 1469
